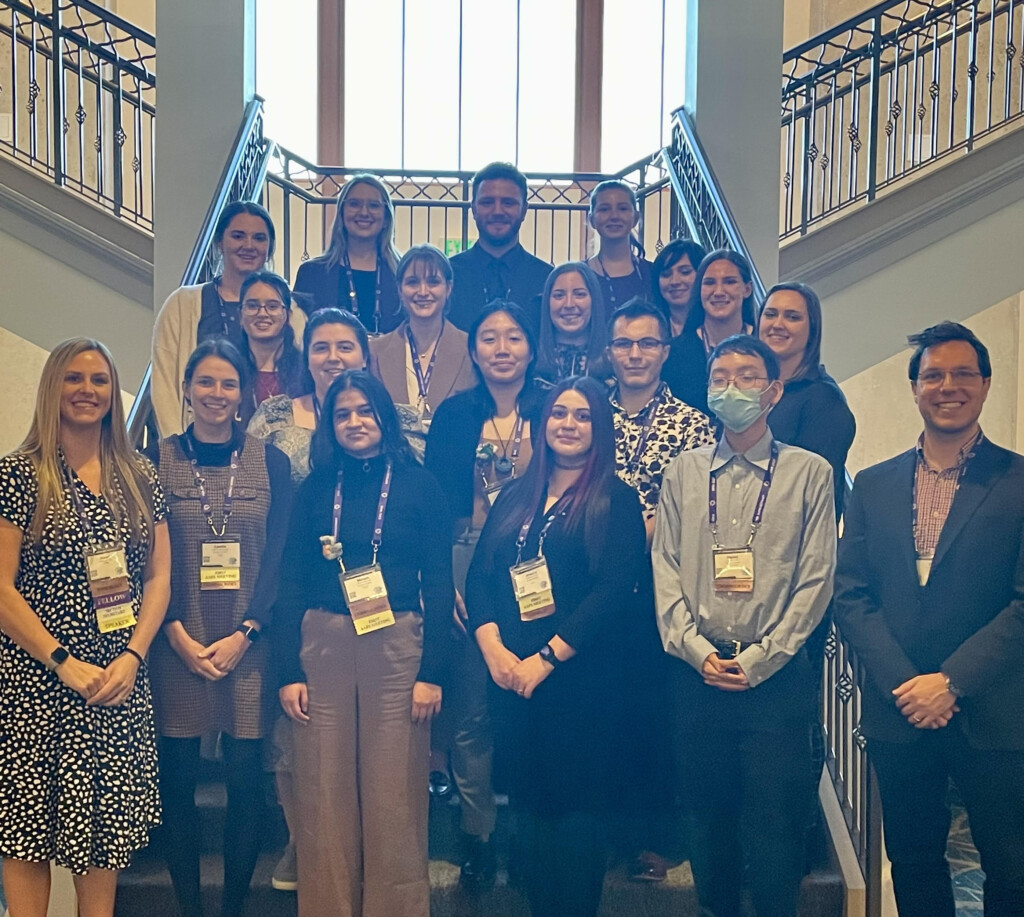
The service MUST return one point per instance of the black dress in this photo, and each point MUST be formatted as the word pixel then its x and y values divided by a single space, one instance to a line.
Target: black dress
pixel 813 415
pixel 556 752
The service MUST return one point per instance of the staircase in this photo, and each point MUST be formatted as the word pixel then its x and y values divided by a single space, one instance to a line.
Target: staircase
pixel 145 889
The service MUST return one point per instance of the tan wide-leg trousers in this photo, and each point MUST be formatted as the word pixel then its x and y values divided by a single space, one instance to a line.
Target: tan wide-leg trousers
pixel 361 772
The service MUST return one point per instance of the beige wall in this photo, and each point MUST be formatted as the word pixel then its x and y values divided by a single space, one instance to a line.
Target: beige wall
pixel 887 418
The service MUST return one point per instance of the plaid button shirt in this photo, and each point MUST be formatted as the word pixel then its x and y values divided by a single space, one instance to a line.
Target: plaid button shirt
pixel 933 495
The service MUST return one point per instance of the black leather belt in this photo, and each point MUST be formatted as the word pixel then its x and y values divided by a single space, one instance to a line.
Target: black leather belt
pixel 729 649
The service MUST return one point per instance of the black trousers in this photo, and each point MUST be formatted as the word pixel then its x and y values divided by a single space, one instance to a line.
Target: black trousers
pixel 179 768
pixel 913 779
pixel 746 769
pixel 563 858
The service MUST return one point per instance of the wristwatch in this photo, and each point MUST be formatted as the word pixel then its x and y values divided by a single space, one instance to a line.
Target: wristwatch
pixel 952 688
pixel 57 657
pixel 548 655
pixel 252 634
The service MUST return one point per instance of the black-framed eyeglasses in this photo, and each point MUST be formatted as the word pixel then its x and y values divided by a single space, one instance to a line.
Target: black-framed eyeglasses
pixel 745 382
pixel 271 307
pixel 625 345
pixel 933 378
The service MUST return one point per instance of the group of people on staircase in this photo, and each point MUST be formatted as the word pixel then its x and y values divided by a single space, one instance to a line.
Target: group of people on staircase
pixel 566 533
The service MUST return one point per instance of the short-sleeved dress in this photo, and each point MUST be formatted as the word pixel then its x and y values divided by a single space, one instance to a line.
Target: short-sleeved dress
pixel 78 784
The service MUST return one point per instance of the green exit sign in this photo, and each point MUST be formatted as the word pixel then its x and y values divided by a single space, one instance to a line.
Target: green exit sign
pixel 452 246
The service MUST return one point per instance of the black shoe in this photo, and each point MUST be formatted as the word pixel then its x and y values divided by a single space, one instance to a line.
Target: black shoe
pixel 479 866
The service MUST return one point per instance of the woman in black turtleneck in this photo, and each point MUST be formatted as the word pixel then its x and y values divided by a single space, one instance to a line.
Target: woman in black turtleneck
pixel 364 680
pixel 229 496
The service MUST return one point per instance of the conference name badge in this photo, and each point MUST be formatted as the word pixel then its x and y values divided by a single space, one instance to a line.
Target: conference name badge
pixel 367 598
pixel 221 565
pixel 531 583
pixel 734 569
pixel 107 572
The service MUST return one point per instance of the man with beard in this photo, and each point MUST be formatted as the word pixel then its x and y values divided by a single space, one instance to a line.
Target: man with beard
pixel 497 266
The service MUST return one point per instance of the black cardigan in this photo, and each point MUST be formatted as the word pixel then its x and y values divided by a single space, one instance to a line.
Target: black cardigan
pixel 686 370
pixel 415 556
pixel 328 286
pixel 813 415
pixel 455 434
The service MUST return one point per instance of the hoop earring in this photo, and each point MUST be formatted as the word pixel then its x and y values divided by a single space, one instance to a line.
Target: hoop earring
pixel 238 417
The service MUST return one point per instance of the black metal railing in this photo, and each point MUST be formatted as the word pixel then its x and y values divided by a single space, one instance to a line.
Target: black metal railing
pixel 700 210
pixel 242 180
pixel 77 101
pixel 436 207
pixel 891 92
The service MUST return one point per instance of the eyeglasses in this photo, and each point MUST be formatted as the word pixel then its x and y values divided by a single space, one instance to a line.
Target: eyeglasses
pixel 371 206
pixel 933 378
pixel 745 382
pixel 560 412
pixel 624 346
pixel 271 307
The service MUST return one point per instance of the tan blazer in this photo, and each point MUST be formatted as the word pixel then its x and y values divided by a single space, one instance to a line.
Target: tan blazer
pixel 453 369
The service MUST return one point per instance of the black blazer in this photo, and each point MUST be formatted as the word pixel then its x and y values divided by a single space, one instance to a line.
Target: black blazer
pixel 320 287
pixel 968 621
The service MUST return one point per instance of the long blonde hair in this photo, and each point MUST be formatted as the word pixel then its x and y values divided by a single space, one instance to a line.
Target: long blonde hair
pixel 124 482
pixel 335 253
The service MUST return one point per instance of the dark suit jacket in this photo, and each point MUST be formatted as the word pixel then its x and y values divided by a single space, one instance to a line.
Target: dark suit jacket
pixel 968 621
pixel 453 369
pixel 319 287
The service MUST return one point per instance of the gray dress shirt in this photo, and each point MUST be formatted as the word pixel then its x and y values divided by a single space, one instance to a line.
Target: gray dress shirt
pixel 794 554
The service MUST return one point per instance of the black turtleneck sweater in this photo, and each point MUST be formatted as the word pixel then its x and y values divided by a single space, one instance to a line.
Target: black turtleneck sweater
pixel 415 556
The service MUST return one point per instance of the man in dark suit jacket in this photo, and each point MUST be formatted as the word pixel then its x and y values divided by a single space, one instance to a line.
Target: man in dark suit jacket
pixel 930 594
pixel 497 266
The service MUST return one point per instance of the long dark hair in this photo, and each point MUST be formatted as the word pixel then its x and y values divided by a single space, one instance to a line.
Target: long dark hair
pixel 812 352
pixel 326 453
pixel 695 317
pixel 289 366
pixel 669 257
pixel 597 332
pixel 516 313
pixel 590 504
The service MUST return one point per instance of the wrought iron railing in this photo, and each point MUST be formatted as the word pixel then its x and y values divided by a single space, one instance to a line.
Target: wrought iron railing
pixel 891 92
pixel 700 210
pixel 242 180
pixel 77 101
pixel 435 207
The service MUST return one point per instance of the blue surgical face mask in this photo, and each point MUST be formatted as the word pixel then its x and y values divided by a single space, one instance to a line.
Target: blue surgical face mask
pixel 737 409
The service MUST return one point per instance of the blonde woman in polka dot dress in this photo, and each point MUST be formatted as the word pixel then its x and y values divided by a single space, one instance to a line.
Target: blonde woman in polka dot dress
pixel 84 585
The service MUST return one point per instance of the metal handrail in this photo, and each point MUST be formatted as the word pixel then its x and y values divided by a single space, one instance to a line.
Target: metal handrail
pixel 241 179
pixel 879 99
pixel 703 207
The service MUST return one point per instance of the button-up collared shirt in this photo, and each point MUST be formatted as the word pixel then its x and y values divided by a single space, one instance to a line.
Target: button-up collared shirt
pixel 934 490
pixel 479 277
pixel 675 427
pixel 794 554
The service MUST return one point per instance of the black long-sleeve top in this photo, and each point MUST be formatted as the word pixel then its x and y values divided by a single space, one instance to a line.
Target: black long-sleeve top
pixel 589 604
pixel 813 415
pixel 455 433
pixel 686 370
pixel 415 556
pixel 218 455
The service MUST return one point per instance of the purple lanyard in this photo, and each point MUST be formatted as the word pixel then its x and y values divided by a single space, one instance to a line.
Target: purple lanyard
pixel 559 509
pixel 659 399
pixel 378 522
pixel 762 497
pixel 204 498
pixel 355 299
pixel 423 378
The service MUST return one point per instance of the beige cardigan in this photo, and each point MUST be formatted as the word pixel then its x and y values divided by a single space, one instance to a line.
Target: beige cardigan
pixel 175 336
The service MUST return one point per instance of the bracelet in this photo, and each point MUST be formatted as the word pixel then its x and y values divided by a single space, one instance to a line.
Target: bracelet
pixel 138 656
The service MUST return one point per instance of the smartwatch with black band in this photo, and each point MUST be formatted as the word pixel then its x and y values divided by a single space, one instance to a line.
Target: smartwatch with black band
pixel 548 655
pixel 251 633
